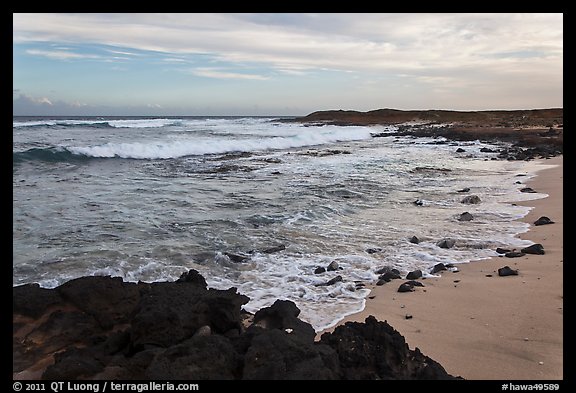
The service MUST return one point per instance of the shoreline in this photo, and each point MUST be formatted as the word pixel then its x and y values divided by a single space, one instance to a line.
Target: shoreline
pixel 479 327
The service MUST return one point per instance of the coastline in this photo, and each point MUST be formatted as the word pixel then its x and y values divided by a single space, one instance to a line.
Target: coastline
pixel 479 327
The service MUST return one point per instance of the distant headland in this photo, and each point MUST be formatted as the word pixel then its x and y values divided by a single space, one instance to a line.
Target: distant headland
pixel 528 128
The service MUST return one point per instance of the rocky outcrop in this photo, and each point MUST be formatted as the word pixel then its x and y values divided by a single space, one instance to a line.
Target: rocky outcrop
pixel 533 134
pixel 374 349
pixel 105 328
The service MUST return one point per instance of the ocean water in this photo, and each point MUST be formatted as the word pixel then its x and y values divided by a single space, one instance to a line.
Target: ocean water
pixel 150 198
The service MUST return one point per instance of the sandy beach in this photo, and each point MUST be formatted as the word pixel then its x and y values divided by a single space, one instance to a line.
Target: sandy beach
pixel 482 326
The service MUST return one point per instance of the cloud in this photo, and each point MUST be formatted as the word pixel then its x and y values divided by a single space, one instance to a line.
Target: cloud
pixel 60 54
pixel 208 72
pixel 484 56
pixel 349 42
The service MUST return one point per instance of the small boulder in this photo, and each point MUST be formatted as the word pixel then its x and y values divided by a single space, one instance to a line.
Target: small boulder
pixel 446 243
pixel 507 271
pixel 414 240
pixel 543 221
pixel 536 248
pixel 465 217
pixel 405 287
pixel 465 189
pixel 438 268
pixel 514 254
pixel 390 275
pixel 330 282
pixel 527 189
pixel 415 283
pixel 471 200
pixel 236 258
pixel 414 274
pixel 408 286
pixel 333 266
pixel 319 270
pixel 500 250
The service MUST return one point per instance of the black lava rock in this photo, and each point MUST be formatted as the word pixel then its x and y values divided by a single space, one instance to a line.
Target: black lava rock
pixel 465 217
pixel 543 221
pixel 104 328
pixel 438 268
pixel 507 271
pixel 414 274
pixel 536 248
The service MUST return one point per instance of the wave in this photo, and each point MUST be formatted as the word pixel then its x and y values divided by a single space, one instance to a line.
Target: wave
pixel 50 154
pixel 165 149
pixel 98 123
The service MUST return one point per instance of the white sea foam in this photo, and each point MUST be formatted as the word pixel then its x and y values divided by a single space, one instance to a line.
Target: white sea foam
pixel 175 148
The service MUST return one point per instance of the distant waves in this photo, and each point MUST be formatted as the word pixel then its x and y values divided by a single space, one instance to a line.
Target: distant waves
pixel 166 147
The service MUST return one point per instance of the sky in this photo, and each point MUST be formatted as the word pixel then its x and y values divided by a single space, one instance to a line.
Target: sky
pixel 283 64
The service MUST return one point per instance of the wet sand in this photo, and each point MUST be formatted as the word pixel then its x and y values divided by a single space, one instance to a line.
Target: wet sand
pixel 481 327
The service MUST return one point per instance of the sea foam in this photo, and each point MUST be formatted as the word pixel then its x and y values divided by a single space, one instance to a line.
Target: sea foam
pixel 181 147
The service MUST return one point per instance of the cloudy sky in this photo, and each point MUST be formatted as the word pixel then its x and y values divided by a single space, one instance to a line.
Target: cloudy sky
pixel 283 64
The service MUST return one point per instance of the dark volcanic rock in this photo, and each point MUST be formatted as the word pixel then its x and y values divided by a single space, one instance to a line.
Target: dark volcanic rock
pixel 414 283
pixel 465 217
pixel 108 300
pixel 527 189
pixel 390 275
pixel 319 270
pixel 278 355
pixel 414 274
pixel 406 287
pixel 471 200
pixel 283 314
pixel 333 266
pixel 536 248
pixel 197 358
pixel 514 254
pixel 183 331
pixel 331 281
pixel 446 243
pixel 507 271
pixel 237 258
pixel 543 221
pixel 168 313
pixel 73 364
pixel 375 350
pixel 414 240
pixel 500 250
pixel 193 277
pixel 32 301
pixel 438 268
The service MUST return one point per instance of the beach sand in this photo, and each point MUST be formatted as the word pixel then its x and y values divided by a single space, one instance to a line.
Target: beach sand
pixel 479 327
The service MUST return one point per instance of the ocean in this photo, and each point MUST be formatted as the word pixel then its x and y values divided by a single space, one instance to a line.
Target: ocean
pixel 254 203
